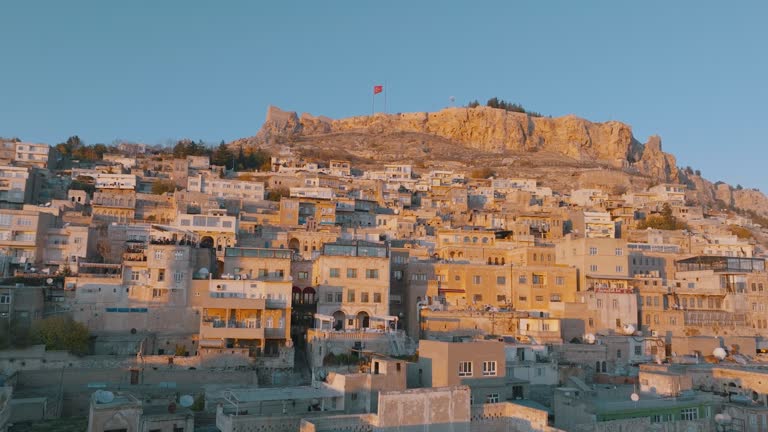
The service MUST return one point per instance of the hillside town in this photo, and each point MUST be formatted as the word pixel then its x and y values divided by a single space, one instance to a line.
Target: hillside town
pixel 177 290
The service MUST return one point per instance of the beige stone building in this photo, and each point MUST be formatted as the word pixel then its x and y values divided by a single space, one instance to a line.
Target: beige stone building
pixel 22 238
pixel 114 205
pixel 481 365
pixel 352 282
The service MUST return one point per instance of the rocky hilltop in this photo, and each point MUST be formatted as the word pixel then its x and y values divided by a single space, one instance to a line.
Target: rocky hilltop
pixel 482 135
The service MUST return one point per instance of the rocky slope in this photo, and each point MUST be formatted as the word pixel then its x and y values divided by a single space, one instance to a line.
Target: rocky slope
pixel 554 149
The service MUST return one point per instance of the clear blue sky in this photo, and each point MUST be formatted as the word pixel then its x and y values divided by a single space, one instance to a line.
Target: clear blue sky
pixel 694 72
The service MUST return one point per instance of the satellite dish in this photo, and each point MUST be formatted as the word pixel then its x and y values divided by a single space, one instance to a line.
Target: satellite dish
pixel 635 397
pixel 628 329
pixel 49 281
pixel 589 338
pixel 719 353
pixel 186 401
pixel 104 396
pixel 722 418
pixel 203 271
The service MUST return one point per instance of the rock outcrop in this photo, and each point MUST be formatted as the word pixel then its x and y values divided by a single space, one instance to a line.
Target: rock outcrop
pixel 657 164
pixel 494 130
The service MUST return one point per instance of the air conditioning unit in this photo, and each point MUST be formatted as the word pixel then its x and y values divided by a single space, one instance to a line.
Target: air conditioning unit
pixel 654 333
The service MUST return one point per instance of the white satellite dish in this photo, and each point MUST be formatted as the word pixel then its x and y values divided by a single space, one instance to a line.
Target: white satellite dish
pixel 719 353
pixel 628 329
pixel 722 418
pixel 49 281
pixel 186 401
pixel 589 338
pixel 104 396
pixel 203 271
pixel 635 397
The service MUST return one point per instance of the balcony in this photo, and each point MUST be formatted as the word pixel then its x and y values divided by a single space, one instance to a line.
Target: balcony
pixel 277 303
pixel 275 333
pixel 217 329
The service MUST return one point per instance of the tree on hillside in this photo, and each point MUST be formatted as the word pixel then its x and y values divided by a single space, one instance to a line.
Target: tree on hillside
pixel 277 194
pixel 61 333
pixel 162 186
pixel 482 173
pixel 665 220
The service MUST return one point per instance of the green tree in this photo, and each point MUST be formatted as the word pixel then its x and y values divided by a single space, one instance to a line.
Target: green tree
pixel 276 194
pixel 162 186
pixel 665 220
pixel 61 333
pixel 221 155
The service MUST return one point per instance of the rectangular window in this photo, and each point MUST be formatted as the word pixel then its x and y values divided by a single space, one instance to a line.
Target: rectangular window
pixel 134 276
pixel 615 304
pixel 158 254
pixel 619 269
pixel 555 298
pixel 477 298
pixel 371 274
pixel 501 280
pixel 161 275
pixel 377 297
pixel 338 297
pixel 689 414
pixel 593 268
pixel 638 349
pixel 5 298
pixel 538 279
pixel 559 280
pixel 593 250
pixel 351 296
pixel 364 297
pixel 492 398
pixel 619 252
pixel 476 280
pixel 539 298
pixel 329 297
pixel 351 273
pixel 178 276
pixel 179 255
pixel 303 275
pixel 521 279
pixel 599 303
pixel 465 369
pixel 335 272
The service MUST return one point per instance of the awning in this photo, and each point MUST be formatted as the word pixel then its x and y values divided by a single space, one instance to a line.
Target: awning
pixel 212 343
pixel 607 277
pixel 322 317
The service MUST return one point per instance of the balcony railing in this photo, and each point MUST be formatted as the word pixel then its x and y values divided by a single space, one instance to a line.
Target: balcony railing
pixel 274 333
pixel 248 323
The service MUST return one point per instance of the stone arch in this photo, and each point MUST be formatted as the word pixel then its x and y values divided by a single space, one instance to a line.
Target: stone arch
pixel 363 319
pixel 294 244
pixel 207 242
pixel 338 320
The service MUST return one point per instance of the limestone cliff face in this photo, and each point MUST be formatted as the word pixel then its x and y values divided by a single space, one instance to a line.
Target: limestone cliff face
pixel 657 164
pixel 495 131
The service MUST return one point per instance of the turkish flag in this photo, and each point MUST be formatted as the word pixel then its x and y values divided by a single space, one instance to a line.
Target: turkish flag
pixel 378 89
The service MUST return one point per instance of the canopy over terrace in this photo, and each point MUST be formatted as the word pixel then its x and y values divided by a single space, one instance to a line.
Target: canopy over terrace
pixel 327 322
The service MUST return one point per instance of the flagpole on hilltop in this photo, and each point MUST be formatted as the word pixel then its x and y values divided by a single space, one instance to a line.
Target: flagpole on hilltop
pixel 385 97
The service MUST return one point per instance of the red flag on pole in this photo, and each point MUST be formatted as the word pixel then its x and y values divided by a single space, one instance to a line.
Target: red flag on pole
pixel 378 89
